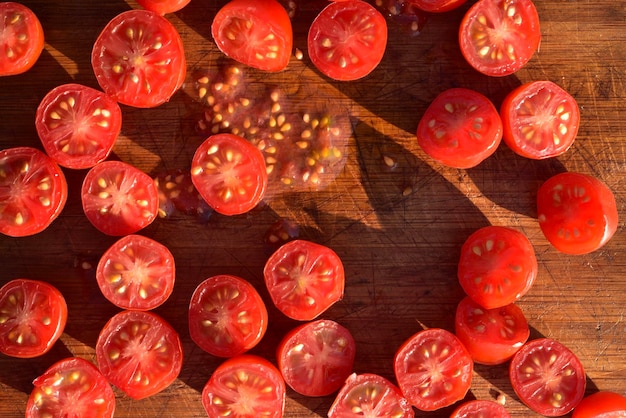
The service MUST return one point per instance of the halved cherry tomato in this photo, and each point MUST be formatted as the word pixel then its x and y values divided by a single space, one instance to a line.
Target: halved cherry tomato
pixel 32 317
pixel 547 377
pixel 370 395
pixel 136 272
pixel 78 125
pixel 21 38
pixel 227 316
pixel 139 352
pixel 347 40
pixel 433 369
pixel 304 279
pixel 437 6
pixel 540 120
pixel 256 33
pixel 603 404
pixel 33 191
pixel 577 212
pixel 460 128
pixel 480 409
pixel 139 59
pixel 245 386
pixel 72 387
pixel 491 336
pixel 497 266
pixel 316 357
pixel 229 173
pixel 118 198
pixel 498 37
pixel 163 6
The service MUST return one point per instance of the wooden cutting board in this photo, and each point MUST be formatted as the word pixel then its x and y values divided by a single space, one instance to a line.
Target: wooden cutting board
pixel 396 218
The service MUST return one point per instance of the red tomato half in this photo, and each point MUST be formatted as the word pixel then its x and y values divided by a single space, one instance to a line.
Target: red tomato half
pixel 78 125
pixel 491 336
pixel 460 128
pixel 577 213
pixel 603 404
pixel 139 352
pixel 163 6
pixel 72 387
pixel 227 316
pixel 437 6
pixel 480 409
pixel 540 120
pixel 547 377
pixel 370 395
pixel 136 272
pixel 245 386
pixel 347 40
pixel 497 266
pixel 21 38
pixel 256 33
pixel 229 173
pixel 316 357
pixel 32 317
pixel 433 369
pixel 119 199
pixel 304 279
pixel 138 58
pixel 33 191
pixel 498 37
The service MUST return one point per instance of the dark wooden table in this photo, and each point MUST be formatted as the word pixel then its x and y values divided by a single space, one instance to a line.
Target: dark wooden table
pixel 398 229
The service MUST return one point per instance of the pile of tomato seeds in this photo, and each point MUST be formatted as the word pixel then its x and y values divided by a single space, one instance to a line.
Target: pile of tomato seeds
pixel 139 61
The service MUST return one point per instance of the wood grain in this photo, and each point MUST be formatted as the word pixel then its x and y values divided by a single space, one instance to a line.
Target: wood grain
pixel 397 230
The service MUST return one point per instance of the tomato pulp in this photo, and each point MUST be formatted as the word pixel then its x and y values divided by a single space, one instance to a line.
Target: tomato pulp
pixel 21 38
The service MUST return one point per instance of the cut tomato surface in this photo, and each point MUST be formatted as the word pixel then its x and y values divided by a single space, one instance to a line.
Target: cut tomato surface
pixel 480 409
pixel 437 6
pixel 21 38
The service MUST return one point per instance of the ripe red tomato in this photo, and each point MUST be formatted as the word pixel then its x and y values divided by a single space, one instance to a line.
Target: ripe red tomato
pixel 136 272
pixel 118 198
pixel 499 37
pixel 33 191
pixel 433 369
pixel 491 336
pixel 316 357
pixel 71 387
pixel 304 279
pixel 21 38
pixel 256 33
pixel 78 125
pixel 227 316
pixel 139 352
pixel 540 120
pixel 460 128
pixel 32 317
pixel 370 395
pixel 603 404
pixel 229 173
pixel 577 212
pixel 347 40
pixel 139 59
pixel 245 386
pixel 547 377
pixel 163 6
pixel 480 409
pixel 497 266
pixel 437 6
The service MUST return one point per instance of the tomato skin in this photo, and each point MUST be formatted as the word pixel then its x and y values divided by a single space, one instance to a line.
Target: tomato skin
pixel 460 128
pixel 479 409
pixel 497 266
pixel 33 191
pixel 34 314
pixel 437 6
pixel 577 212
pixel 235 312
pixel 71 387
pixel 603 404
pixel 547 377
pixel 245 386
pixel 345 48
pixel 251 45
pixel 540 120
pixel 431 359
pixel 21 41
pixel 163 7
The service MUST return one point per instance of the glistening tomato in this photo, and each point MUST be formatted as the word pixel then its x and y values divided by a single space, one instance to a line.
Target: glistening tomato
pixel 437 6
pixel 603 404
pixel 21 38
pixel 480 409
pixel 163 6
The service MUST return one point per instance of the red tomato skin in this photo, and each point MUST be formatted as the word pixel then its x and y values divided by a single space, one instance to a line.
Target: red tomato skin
pixel 528 106
pixel 60 392
pixel 163 7
pixel 480 409
pixel 34 300
pixel 603 404
pixel 577 212
pixel 23 57
pixel 268 16
pixel 437 6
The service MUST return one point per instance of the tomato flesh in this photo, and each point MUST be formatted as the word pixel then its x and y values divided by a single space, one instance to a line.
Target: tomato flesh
pixel 437 6
pixel 603 404
pixel 480 409
pixel 21 38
